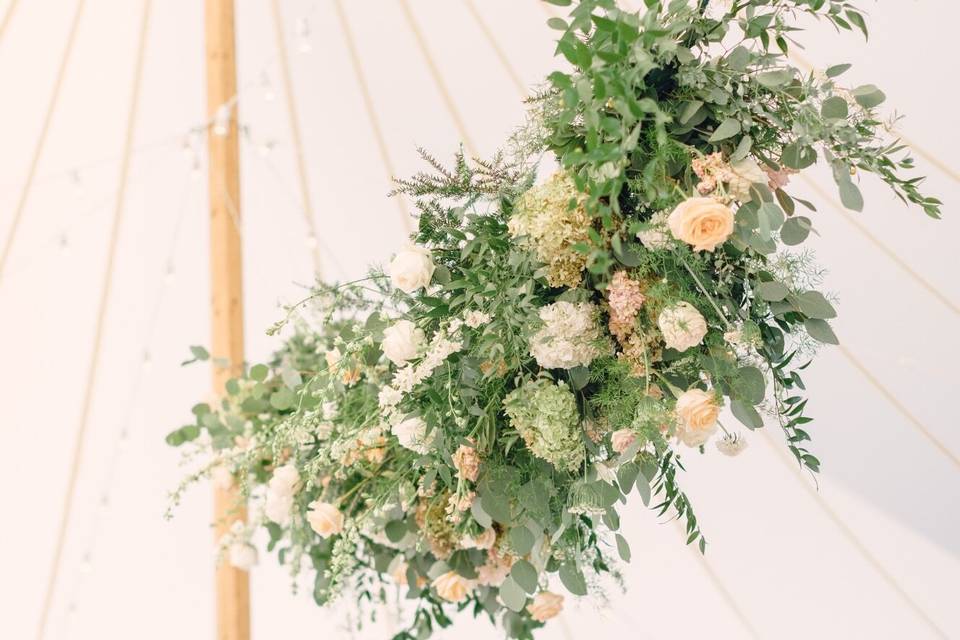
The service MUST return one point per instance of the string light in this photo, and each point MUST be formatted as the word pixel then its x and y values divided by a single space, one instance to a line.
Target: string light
pixel 221 120
pixel 303 35
pixel 269 95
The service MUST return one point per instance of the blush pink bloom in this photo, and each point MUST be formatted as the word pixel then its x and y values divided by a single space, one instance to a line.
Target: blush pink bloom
pixel 625 299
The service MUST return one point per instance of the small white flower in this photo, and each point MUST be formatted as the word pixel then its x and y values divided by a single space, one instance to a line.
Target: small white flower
pixel 731 444
pixel 412 434
pixel 389 397
pixel 242 556
pixel 476 319
pixel 411 269
pixel 323 430
pixel 402 341
pixel 329 410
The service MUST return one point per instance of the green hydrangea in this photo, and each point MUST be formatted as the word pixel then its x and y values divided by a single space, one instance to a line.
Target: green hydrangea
pixel 545 415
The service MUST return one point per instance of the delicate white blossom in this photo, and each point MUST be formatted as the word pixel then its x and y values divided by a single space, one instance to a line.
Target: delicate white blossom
pixel 731 444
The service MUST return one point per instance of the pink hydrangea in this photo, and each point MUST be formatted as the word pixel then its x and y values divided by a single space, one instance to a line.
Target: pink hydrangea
pixel 625 299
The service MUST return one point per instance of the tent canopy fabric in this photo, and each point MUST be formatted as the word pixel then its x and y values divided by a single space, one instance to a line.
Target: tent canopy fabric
pixel 346 91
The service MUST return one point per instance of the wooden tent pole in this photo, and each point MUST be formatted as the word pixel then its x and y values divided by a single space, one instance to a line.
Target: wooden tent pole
pixel 226 283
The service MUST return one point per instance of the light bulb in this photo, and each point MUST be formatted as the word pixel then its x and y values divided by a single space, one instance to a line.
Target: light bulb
pixel 221 120
pixel 303 35
pixel 310 241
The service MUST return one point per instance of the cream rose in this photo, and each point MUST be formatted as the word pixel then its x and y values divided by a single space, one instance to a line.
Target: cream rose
pixel 545 605
pixel 402 342
pixel 697 411
pixel 702 223
pixel 411 269
pixel 621 440
pixel 682 326
pixel 745 172
pixel 325 519
pixel 451 586
pixel 412 434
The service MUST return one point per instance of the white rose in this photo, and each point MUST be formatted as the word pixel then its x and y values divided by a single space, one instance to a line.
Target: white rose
pixel 389 397
pixel 682 326
pixel 242 555
pixel 325 519
pixel 746 172
pixel 411 269
pixel 402 342
pixel 277 508
pixel 412 434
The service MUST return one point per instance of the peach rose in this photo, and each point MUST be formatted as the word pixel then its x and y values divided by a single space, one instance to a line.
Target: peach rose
pixel 325 519
pixel 484 540
pixel 467 462
pixel 620 440
pixel 702 223
pixel 698 411
pixel 545 605
pixel 451 586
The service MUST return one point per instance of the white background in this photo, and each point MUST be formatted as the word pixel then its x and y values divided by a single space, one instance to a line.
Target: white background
pixel 872 554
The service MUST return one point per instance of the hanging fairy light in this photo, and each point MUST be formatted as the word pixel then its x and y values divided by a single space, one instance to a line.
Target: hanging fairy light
pixel 303 35
pixel 269 95
pixel 221 120
pixel 311 241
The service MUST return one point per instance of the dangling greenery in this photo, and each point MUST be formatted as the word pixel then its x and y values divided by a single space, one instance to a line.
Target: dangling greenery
pixel 465 426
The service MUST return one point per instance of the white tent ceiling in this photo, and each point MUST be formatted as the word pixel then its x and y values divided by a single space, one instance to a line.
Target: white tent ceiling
pixel 873 553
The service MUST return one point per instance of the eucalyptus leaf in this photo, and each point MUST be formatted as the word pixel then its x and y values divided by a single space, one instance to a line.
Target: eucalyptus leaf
pixel 813 304
pixel 772 291
pixel 512 595
pixel 623 548
pixel 821 331
pixel 795 230
pixel 727 129
pixel 572 579
pixel 525 575
pixel 746 414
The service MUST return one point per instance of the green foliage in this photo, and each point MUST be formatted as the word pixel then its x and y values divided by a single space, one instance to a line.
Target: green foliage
pixel 422 416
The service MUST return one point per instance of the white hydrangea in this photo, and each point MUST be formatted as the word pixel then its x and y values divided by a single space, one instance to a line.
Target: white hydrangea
pixel 570 337
pixel 657 236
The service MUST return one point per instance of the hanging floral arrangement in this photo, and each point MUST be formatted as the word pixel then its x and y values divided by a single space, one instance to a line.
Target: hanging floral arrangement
pixel 464 426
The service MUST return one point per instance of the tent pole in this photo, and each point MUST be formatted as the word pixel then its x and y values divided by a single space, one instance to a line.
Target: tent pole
pixel 226 283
